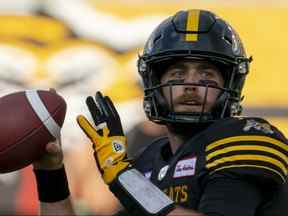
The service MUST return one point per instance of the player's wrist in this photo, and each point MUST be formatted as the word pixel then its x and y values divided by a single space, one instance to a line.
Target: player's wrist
pixel 48 167
pixel 111 173
pixel 138 195
pixel 52 185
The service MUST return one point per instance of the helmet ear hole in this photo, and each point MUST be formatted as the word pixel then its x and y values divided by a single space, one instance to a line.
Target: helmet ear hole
pixel 227 39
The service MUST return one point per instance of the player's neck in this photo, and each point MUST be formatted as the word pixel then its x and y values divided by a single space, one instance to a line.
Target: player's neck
pixel 180 133
pixel 175 141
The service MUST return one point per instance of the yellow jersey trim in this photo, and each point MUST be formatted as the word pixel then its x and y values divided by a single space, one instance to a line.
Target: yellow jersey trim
pixel 248 158
pixel 247 138
pixel 249 148
pixel 255 166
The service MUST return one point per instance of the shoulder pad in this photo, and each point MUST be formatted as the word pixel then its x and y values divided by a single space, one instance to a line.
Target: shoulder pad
pixel 260 150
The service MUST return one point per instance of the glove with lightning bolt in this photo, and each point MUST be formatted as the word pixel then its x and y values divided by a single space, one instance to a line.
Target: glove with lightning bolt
pixel 109 141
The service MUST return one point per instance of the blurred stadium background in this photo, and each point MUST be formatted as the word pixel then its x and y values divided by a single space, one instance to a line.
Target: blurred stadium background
pixel 80 46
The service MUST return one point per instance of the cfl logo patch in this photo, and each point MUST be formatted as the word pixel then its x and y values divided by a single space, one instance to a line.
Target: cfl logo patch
pixel 118 146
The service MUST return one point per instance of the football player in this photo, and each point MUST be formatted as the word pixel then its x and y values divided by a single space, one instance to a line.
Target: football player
pixel 212 161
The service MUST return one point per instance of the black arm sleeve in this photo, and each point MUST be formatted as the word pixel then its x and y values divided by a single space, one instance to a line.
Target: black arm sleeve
pixel 122 213
pixel 229 196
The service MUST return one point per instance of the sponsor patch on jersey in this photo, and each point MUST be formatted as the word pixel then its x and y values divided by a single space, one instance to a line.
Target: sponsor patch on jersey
pixel 185 167
pixel 253 124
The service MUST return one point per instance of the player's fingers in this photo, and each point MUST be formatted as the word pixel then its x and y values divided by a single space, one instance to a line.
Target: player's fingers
pixel 94 110
pixel 112 108
pixel 53 147
pixel 102 104
pixel 87 128
pixel 52 90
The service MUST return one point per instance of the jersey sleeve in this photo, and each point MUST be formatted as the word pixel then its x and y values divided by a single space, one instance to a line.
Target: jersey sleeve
pixel 229 196
pixel 258 151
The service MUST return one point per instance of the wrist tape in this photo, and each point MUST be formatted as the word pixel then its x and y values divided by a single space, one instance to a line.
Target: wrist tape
pixel 52 185
pixel 139 196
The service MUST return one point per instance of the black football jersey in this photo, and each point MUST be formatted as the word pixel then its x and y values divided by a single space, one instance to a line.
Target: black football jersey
pixel 244 153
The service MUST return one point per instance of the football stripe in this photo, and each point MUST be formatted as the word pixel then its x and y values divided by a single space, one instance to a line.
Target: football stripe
pixel 250 158
pixel 247 138
pixel 42 113
pixel 247 148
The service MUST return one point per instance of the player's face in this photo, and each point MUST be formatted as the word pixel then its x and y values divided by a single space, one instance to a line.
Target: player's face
pixel 189 98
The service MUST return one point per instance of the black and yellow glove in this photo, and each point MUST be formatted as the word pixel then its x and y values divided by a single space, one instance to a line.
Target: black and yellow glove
pixel 109 141
pixel 136 193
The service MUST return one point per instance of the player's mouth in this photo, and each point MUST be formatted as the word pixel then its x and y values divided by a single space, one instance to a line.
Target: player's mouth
pixel 190 103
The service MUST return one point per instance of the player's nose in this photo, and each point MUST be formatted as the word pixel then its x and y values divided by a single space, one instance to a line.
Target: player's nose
pixel 192 79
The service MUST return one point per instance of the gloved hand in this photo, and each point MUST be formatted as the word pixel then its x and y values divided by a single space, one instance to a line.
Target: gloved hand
pixel 109 141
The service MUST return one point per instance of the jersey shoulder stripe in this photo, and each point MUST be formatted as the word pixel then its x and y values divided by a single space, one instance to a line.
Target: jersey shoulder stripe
pixel 255 152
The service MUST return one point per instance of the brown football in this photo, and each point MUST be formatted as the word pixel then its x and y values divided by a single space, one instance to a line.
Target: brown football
pixel 28 121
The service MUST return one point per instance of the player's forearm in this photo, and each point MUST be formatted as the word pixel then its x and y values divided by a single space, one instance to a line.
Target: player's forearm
pixel 183 211
pixel 63 207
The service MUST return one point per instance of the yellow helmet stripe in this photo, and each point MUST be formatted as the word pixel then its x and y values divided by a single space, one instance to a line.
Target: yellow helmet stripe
pixel 192 25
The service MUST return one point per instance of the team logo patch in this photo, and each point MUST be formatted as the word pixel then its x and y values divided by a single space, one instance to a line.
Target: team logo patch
pixel 185 167
pixel 118 146
pixel 148 174
pixel 252 124
pixel 162 172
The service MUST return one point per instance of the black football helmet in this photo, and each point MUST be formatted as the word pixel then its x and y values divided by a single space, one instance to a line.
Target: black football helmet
pixel 193 34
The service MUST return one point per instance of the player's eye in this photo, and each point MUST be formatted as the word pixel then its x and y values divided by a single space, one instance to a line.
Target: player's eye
pixel 177 73
pixel 207 74
pixel 176 81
